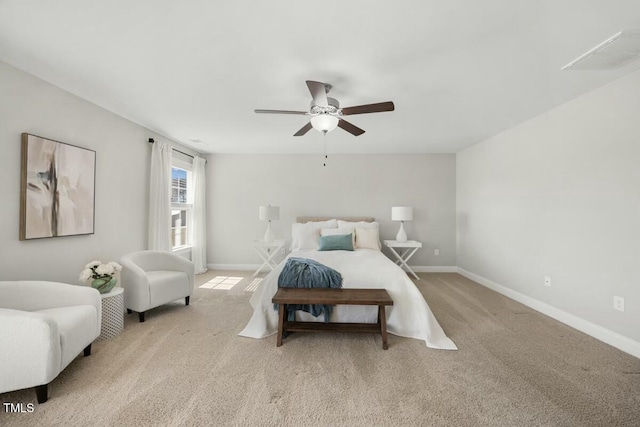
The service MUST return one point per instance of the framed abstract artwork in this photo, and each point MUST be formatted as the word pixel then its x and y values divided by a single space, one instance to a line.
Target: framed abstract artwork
pixel 57 189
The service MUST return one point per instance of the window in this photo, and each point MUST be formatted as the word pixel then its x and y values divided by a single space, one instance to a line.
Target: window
pixel 181 201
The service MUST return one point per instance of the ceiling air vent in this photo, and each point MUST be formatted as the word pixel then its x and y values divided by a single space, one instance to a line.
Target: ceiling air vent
pixel 618 50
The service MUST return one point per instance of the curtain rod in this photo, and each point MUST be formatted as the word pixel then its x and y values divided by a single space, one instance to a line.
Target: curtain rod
pixel 151 141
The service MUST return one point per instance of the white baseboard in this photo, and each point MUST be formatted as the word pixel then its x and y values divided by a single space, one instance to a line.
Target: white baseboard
pixel 434 269
pixel 598 332
pixel 238 267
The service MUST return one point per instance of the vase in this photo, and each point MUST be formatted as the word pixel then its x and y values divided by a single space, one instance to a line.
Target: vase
pixel 104 285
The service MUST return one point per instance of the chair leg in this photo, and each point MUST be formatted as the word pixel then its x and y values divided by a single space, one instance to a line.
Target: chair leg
pixel 87 350
pixel 42 393
pixel 186 300
pixel 141 316
pixel 129 311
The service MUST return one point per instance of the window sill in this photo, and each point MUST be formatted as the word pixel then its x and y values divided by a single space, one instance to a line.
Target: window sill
pixel 182 250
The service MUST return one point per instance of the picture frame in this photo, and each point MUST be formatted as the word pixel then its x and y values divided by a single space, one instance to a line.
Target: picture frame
pixel 57 189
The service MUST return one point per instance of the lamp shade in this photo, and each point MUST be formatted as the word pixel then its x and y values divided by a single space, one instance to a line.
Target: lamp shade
pixel 402 213
pixel 269 212
pixel 324 122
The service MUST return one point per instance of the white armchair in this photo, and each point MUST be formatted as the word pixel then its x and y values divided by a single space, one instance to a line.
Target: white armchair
pixel 153 278
pixel 43 327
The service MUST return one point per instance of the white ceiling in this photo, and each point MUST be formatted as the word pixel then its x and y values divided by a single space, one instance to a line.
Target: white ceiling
pixel 457 71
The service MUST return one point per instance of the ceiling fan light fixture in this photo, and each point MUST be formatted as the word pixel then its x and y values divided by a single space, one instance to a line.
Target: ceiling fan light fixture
pixel 324 122
pixel 326 113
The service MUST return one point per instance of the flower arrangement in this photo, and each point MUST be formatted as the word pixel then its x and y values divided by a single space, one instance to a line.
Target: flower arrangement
pixel 101 275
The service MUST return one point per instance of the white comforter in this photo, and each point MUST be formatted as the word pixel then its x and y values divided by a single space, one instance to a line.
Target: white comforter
pixel 410 316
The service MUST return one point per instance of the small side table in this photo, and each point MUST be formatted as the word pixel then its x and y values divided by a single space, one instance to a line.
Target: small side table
pixel 407 248
pixel 267 251
pixel 112 313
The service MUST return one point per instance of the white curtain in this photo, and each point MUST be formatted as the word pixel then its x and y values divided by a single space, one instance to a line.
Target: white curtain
pixel 160 198
pixel 199 236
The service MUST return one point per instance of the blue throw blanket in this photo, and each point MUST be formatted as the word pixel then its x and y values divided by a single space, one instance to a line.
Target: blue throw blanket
pixel 307 273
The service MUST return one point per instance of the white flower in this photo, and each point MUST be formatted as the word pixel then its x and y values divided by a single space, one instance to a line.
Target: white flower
pixel 115 265
pixel 85 275
pixel 105 269
pixel 96 270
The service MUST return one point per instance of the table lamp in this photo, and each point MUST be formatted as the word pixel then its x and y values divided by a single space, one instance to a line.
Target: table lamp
pixel 269 213
pixel 402 214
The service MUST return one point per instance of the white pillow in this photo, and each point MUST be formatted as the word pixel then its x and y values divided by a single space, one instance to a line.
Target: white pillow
pixel 307 235
pixel 361 224
pixel 331 223
pixel 339 232
pixel 308 238
pixel 367 238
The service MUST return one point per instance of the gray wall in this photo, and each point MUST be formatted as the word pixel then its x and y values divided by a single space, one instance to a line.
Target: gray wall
pixel 350 185
pixel 28 104
pixel 559 196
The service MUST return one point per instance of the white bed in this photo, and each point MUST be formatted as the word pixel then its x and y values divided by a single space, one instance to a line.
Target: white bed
pixel 410 316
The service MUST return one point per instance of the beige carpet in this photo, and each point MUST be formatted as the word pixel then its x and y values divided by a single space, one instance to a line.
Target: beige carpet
pixel 187 366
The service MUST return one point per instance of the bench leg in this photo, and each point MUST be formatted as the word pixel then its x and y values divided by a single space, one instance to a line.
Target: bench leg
pixel 382 319
pixel 281 311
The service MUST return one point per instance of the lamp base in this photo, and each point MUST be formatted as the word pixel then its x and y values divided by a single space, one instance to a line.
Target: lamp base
pixel 402 235
pixel 268 235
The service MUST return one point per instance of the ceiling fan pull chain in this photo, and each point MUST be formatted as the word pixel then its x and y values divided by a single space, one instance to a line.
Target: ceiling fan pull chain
pixel 325 149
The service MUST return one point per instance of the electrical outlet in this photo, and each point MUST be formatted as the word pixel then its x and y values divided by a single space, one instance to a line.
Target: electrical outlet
pixel 618 303
pixel 547 281
pixel 436 252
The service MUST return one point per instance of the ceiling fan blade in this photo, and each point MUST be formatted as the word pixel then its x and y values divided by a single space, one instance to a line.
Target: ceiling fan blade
pixel 306 128
pixel 281 112
pixel 318 92
pixel 352 129
pixel 369 108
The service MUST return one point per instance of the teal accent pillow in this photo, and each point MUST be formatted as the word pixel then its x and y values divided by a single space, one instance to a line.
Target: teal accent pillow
pixel 341 242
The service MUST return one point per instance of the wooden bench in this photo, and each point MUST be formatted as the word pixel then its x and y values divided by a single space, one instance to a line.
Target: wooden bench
pixel 379 297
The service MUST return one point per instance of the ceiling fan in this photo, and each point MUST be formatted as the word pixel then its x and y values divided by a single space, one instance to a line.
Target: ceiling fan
pixel 326 113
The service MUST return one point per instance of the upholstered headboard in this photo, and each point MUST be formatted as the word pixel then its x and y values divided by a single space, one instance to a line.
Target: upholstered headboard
pixel 304 219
